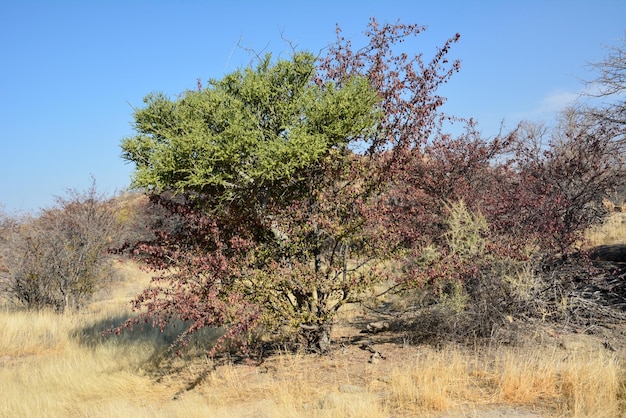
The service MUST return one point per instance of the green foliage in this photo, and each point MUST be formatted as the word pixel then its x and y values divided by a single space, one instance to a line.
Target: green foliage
pixel 252 130
pixel 265 199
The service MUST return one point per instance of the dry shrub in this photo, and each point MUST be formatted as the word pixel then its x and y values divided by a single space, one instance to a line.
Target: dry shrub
pixel 476 290
pixel 59 259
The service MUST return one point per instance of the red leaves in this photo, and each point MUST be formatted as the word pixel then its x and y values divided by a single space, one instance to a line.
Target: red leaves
pixel 197 260
pixel 293 253
pixel 407 85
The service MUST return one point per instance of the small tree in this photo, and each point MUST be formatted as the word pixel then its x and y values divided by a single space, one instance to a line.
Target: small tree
pixel 274 218
pixel 59 259
pixel 236 164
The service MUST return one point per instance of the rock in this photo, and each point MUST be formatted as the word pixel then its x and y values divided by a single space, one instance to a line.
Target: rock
pixel 380 326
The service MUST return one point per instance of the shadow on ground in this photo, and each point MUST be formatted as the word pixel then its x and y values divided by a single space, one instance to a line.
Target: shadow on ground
pixel 614 253
pixel 160 344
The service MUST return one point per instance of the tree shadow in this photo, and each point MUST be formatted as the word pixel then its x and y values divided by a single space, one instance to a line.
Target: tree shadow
pixel 615 253
pixel 164 356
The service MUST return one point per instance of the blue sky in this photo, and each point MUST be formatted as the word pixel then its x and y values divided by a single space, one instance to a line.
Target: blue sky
pixel 71 71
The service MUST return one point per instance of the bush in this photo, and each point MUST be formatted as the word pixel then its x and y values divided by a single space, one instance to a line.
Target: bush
pixel 477 287
pixel 59 259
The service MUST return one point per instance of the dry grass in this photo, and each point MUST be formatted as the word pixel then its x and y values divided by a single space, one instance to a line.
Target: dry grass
pixel 588 383
pixel 613 231
pixel 420 382
pixel 58 365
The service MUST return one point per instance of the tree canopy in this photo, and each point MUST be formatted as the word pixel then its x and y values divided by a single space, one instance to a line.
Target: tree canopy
pixel 255 129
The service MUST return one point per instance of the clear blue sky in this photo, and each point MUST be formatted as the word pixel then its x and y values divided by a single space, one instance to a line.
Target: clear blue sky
pixel 70 71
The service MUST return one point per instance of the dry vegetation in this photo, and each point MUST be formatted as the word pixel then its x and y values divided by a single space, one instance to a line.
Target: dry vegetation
pixel 59 365
pixel 476 329
pixel 613 231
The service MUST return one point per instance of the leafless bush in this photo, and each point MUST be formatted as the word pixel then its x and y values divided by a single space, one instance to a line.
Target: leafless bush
pixel 59 259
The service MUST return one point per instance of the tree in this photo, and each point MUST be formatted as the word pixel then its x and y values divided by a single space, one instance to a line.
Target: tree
pixel 242 168
pixel 274 217
pixel 59 259
pixel 611 84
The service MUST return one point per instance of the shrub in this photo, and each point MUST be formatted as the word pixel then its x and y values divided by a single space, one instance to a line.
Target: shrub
pixel 59 259
pixel 478 287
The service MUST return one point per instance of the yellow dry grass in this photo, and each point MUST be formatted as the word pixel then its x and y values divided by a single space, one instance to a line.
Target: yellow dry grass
pixel 59 366
pixel 612 231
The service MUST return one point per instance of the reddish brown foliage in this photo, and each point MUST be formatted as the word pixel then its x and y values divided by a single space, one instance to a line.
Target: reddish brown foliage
pixel 290 255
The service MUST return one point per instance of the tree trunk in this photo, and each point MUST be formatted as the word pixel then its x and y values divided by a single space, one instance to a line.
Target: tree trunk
pixel 323 338
pixel 316 338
